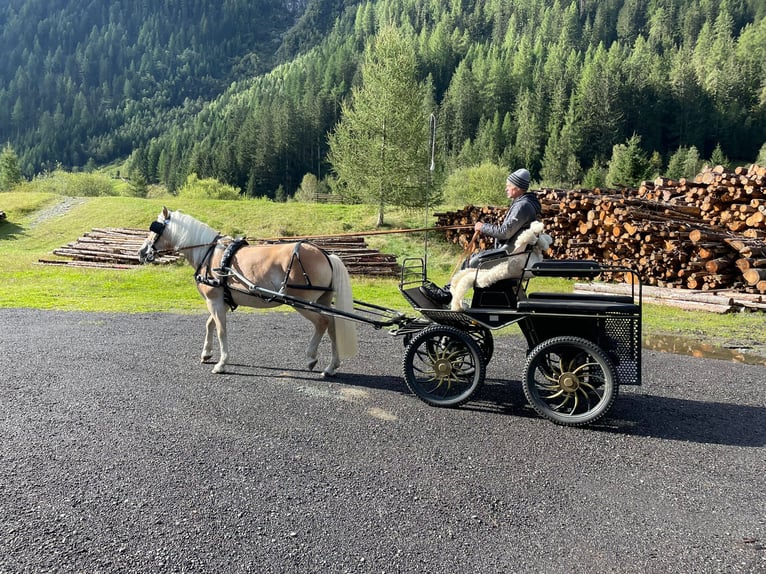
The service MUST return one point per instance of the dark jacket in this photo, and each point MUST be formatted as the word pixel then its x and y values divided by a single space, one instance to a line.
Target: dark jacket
pixel 521 214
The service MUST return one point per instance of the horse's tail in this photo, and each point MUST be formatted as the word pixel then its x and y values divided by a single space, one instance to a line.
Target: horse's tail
pixel 345 329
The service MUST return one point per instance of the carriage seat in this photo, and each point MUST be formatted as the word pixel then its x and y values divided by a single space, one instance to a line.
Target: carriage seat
pixel 578 304
pixel 498 280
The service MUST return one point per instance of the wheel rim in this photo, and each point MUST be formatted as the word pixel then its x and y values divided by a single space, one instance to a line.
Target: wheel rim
pixel 570 381
pixel 444 367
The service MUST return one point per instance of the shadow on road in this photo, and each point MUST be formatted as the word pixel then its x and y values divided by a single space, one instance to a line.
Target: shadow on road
pixel 689 420
pixel 632 414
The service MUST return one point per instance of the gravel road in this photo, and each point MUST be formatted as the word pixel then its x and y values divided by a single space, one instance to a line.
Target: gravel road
pixel 119 452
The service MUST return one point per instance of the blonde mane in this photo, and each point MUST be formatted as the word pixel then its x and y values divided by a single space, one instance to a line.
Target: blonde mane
pixel 189 232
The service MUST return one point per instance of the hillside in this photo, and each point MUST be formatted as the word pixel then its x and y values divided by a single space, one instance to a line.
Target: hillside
pixel 83 80
pixel 247 92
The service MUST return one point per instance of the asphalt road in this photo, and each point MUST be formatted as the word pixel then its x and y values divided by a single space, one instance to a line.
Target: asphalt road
pixel 119 452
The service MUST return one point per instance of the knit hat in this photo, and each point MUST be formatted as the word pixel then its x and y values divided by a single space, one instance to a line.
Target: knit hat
pixel 520 178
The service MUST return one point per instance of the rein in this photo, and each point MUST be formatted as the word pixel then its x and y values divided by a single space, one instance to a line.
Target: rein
pixel 361 233
pixel 466 252
pixel 185 247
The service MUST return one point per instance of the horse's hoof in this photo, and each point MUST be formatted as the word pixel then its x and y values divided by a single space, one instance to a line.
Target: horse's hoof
pixel 312 364
pixel 330 370
pixel 205 358
pixel 218 369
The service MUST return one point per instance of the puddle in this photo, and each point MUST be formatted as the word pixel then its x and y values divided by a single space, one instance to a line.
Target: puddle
pixel 686 346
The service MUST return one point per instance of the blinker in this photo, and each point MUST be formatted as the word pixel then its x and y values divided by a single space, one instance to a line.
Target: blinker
pixel 157 227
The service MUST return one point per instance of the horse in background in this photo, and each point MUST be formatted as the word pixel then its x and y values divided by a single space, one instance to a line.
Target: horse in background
pixel 300 270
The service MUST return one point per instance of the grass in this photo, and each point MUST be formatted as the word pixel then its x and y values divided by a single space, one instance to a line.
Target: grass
pixel 37 223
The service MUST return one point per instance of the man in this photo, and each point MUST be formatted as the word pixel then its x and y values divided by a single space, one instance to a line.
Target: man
pixel 525 208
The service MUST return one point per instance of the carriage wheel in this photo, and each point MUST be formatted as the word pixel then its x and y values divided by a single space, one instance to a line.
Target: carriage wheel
pixel 569 380
pixel 443 366
pixel 483 338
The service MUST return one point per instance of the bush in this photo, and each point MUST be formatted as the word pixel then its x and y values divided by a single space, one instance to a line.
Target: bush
pixel 72 184
pixel 478 185
pixel 761 159
pixel 208 188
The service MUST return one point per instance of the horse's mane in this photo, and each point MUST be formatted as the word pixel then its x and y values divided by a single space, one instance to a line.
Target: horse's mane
pixel 188 231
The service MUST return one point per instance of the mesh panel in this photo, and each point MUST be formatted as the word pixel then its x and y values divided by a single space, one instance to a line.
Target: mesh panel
pixel 622 342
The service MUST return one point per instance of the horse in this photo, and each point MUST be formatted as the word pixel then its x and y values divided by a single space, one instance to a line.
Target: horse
pixel 298 270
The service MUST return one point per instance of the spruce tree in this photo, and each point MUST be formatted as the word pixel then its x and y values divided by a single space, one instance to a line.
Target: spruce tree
pixel 10 174
pixel 379 149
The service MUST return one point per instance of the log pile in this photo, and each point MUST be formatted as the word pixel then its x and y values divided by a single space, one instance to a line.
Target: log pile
pixel 117 248
pixel 108 247
pixel 706 234
pixel 358 258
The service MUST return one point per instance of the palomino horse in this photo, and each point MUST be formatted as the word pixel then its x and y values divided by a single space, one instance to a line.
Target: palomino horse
pixel 299 270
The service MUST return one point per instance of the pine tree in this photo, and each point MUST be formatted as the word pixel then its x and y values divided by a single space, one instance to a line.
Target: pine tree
pixel 10 174
pixel 629 164
pixel 379 149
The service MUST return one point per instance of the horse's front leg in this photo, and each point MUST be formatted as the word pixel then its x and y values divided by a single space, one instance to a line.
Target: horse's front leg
pixel 218 316
pixel 207 347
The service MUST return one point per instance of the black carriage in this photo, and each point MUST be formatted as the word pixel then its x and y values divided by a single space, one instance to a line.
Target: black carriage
pixel 581 347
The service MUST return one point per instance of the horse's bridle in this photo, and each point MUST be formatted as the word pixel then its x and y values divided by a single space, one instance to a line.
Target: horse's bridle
pixel 157 227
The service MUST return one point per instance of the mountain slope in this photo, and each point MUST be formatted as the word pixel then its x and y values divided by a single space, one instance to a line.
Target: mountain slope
pixel 86 79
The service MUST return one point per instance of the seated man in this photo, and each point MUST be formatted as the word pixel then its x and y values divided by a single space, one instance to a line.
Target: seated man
pixel 525 208
pixel 529 248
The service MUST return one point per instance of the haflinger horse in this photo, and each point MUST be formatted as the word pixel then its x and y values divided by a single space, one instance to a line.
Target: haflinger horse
pixel 300 270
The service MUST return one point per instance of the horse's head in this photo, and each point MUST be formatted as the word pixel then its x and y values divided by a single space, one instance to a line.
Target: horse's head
pixel 155 241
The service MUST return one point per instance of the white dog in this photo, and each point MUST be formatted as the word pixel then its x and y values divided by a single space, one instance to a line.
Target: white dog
pixel 511 267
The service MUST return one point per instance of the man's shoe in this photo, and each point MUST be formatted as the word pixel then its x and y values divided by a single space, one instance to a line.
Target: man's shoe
pixel 435 293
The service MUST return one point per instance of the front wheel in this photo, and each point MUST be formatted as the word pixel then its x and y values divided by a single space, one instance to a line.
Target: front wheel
pixel 443 366
pixel 483 338
pixel 569 380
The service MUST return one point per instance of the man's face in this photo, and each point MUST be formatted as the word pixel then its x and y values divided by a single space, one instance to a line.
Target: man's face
pixel 513 191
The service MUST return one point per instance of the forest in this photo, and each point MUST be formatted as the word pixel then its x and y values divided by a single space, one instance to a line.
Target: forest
pixel 248 92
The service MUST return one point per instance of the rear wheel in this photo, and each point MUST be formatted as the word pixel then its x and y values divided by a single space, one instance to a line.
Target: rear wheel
pixel 443 366
pixel 569 380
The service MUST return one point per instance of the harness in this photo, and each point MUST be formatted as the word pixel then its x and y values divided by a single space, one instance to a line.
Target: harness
pixel 296 256
pixel 221 279
pixel 215 281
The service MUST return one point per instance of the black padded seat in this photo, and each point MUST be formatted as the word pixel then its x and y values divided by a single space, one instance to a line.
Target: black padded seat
pixel 582 297
pixel 570 305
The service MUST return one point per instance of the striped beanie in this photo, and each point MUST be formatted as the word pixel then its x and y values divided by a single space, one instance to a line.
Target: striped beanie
pixel 520 178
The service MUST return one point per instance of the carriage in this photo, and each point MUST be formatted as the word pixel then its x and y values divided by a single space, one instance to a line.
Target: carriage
pixel 581 347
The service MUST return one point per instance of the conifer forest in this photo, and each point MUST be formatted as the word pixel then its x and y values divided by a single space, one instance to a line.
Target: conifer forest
pixel 250 91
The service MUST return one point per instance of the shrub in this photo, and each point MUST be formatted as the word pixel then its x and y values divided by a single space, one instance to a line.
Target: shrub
pixel 479 185
pixel 208 188
pixel 72 184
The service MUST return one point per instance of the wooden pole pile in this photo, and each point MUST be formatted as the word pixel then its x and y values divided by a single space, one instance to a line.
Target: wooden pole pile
pixel 109 247
pixel 706 234
pixel 117 248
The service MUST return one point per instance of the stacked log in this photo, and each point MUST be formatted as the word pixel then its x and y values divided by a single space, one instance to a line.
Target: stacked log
pixel 106 247
pixel 117 248
pixel 706 234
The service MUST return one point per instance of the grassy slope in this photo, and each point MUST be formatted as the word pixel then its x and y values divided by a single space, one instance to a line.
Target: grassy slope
pixel 37 223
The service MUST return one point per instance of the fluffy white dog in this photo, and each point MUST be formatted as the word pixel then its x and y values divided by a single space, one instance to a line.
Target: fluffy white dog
pixel 511 267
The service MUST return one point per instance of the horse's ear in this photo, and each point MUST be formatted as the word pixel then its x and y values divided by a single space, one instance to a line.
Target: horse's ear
pixel 165 213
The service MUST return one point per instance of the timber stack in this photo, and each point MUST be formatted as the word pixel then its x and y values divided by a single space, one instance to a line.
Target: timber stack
pixel 704 234
pixel 117 248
